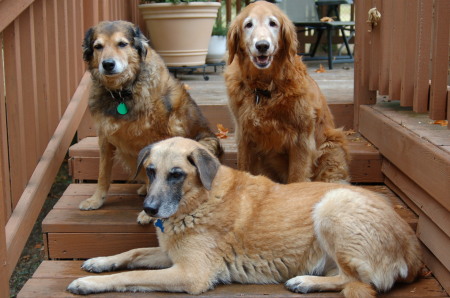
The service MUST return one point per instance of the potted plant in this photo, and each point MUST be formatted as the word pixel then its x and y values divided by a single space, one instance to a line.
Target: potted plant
pixel 218 42
pixel 180 31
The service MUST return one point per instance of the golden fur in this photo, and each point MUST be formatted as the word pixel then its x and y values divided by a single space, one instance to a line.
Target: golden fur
pixel 125 69
pixel 284 127
pixel 222 226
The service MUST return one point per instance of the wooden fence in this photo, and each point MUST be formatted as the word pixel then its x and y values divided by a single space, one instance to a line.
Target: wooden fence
pixel 43 95
pixel 405 56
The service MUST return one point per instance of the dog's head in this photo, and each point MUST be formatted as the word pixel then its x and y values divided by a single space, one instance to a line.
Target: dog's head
pixel 262 32
pixel 113 51
pixel 179 170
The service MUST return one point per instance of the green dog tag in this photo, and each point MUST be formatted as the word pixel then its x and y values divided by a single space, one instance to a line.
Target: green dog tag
pixel 122 108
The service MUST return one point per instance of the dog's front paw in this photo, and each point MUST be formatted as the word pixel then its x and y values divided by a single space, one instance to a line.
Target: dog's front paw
pixel 300 284
pixel 85 286
pixel 143 218
pixel 91 204
pixel 142 191
pixel 100 264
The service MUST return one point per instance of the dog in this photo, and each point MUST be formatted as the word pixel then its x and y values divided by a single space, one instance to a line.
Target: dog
pixel 215 222
pixel 134 101
pixel 284 128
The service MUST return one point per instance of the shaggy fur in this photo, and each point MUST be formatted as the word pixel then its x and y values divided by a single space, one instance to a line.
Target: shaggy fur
pixel 284 127
pixel 125 69
pixel 220 225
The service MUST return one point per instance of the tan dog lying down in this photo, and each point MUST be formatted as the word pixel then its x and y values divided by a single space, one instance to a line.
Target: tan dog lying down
pixel 221 225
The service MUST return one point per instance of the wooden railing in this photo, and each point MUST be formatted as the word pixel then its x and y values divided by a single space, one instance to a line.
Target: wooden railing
pixel 43 95
pixel 404 56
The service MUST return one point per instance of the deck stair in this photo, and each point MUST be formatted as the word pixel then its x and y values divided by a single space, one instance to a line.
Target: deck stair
pixel 71 235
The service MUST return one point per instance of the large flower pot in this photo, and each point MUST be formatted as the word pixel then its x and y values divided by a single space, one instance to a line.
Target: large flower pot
pixel 216 49
pixel 180 33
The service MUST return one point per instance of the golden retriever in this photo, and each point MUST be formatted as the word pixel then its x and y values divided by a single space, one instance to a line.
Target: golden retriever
pixel 221 225
pixel 134 101
pixel 284 127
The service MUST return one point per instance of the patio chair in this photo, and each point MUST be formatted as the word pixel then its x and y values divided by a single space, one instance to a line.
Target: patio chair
pixel 303 13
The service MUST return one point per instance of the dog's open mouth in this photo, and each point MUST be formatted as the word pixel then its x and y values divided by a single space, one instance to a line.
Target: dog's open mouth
pixel 262 61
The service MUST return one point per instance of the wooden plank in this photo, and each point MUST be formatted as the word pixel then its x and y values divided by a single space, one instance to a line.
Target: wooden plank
pixel 440 59
pixel 423 48
pixel 416 198
pixel 31 201
pixel 52 278
pixel 14 106
pixel 439 271
pixel 39 62
pixel 385 53
pixel 376 57
pixel 87 168
pixel 86 189
pixel 51 54
pixel 362 94
pixel 63 80
pixel 10 9
pixel 5 186
pixel 89 245
pixel 436 240
pixel 425 164
pixel 396 44
pixel 408 47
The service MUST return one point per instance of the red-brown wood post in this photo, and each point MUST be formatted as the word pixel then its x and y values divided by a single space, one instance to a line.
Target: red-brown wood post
pixel 362 93
pixel 439 69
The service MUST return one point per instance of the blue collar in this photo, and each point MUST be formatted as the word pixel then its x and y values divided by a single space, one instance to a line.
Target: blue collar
pixel 159 223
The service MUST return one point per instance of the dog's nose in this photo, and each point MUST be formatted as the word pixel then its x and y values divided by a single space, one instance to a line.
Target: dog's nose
pixel 150 211
pixel 109 64
pixel 262 46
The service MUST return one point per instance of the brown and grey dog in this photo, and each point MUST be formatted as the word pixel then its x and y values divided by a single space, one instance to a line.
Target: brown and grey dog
pixel 215 223
pixel 134 101
pixel 284 127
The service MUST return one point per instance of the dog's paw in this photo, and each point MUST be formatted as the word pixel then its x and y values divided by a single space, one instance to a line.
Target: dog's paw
pixel 99 264
pixel 300 284
pixel 143 218
pixel 85 286
pixel 91 204
pixel 142 191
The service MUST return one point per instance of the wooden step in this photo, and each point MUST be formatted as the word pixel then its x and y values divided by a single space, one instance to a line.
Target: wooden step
pixel 70 233
pixel 52 278
pixel 365 166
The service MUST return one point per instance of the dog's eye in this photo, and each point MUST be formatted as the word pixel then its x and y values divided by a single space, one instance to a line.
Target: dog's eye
pixel 98 46
pixel 122 44
pixel 151 172
pixel 249 25
pixel 273 24
pixel 176 174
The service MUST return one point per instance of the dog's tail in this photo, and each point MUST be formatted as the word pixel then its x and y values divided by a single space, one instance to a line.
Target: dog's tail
pixel 358 289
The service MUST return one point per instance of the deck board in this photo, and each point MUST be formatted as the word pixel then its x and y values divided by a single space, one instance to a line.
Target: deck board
pixel 52 278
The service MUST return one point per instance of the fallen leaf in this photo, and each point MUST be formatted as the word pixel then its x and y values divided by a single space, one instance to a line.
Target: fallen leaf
pixel 223 132
pixel 326 19
pixel 441 122
pixel 39 245
pixel 398 206
pixel 321 69
pixel 349 132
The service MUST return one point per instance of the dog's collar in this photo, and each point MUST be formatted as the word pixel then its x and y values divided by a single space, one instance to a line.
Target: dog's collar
pixel 121 95
pixel 261 93
pixel 159 223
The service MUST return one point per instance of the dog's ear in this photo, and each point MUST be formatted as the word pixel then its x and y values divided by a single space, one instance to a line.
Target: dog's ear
pixel 206 164
pixel 233 39
pixel 140 42
pixel 143 155
pixel 289 39
pixel 87 46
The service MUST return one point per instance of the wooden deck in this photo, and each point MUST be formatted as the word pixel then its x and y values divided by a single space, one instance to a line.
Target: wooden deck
pixel 71 234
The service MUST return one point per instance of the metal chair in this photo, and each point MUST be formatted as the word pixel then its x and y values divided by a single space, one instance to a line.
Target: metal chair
pixel 303 13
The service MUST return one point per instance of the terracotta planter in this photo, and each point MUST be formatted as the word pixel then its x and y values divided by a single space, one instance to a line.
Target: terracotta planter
pixel 216 49
pixel 180 33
